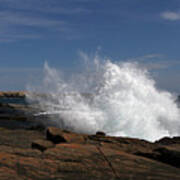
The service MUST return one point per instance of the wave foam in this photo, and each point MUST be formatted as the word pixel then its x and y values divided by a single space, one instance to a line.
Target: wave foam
pixel 120 99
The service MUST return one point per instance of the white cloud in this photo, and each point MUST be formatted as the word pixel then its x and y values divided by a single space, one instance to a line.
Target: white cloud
pixel 18 26
pixel 172 16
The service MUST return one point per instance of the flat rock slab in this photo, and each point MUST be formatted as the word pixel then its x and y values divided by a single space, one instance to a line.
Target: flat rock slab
pixel 19 138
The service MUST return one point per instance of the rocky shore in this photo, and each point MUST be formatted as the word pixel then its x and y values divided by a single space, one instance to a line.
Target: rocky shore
pixel 12 94
pixel 31 151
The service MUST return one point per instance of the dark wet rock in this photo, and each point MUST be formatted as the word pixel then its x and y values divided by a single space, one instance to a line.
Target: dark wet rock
pixel 55 135
pixel 18 116
pixel 168 156
pixel 168 141
pixel 100 133
pixel 38 127
pixel 165 155
pixel 42 145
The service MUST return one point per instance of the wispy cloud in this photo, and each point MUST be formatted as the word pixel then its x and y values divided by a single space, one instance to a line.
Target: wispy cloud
pixel 153 62
pixel 66 11
pixel 161 65
pixel 18 26
pixel 146 57
pixel 170 15
pixel 9 18
pixel 33 19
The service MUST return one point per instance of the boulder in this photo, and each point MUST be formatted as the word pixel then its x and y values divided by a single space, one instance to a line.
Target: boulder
pixel 57 136
pixel 100 133
pixel 42 145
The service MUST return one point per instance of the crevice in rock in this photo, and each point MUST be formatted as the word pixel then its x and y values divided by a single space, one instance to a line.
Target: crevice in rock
pixel 108 162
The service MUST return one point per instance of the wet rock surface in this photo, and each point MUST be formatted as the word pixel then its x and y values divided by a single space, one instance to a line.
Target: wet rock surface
pixel 31 151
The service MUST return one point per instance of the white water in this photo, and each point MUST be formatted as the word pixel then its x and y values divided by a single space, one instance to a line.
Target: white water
pixel 122 101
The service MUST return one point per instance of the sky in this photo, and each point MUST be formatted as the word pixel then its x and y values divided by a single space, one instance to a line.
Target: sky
pixel 35 31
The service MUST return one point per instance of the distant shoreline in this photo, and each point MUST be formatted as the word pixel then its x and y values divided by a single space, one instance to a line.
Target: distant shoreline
pixel 11 94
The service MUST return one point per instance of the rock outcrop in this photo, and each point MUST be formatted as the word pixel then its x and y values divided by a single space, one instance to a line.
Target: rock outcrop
pixel 16 94
pixel 57 136
pixel 56 154
pixel 42 145
pixel 31 151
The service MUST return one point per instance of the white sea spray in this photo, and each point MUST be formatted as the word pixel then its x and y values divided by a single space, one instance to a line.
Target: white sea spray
pixel 120 99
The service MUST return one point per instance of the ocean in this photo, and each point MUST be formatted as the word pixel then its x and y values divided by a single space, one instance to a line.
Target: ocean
pixel 13 100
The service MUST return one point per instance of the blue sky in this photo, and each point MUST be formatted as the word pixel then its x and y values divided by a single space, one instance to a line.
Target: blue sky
pixel 34 31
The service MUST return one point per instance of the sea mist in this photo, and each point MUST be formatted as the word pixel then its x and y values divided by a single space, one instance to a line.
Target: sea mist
pixel 120 99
